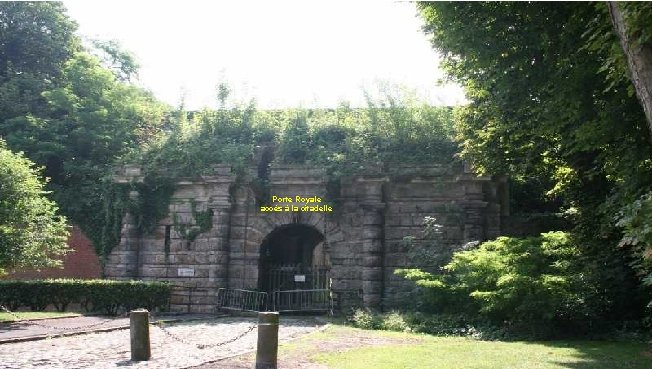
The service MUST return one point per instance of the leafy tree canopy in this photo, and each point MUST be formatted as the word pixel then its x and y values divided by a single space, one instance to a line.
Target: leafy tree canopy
pixel 69 112
pixel 32 234
pixel 549 105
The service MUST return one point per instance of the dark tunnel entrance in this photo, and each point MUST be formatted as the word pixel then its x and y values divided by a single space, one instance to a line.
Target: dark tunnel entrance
pixel 292 257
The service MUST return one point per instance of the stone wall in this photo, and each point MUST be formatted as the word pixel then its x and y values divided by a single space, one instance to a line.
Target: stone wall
pixel 372 214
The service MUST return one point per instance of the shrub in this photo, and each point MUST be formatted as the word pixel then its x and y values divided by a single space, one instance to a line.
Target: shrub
pixel 459 325
pixel 527 282
pixel 32 234
pixel 108 296
pixel 365 319
pixel 394 321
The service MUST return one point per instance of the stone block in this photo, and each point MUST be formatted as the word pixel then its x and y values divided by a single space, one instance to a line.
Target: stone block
pixel 176 299
pixel 397 259
pixel 372 261
pixel 372 274
pixel 372 232
pixel 372 287
pixel 371 300
pixel 153 272
pixel 372 246
pixel 346 284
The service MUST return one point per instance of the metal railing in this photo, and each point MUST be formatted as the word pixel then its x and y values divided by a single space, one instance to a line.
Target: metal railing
pixel 302 300
pixel 241 300
pixel 283 277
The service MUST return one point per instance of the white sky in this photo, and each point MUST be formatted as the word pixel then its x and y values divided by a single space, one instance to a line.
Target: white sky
pixel 285 54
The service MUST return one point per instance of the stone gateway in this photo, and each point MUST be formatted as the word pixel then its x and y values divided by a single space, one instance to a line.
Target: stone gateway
pixel 352 250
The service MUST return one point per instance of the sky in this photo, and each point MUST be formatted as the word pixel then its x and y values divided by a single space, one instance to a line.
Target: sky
pixel 283 54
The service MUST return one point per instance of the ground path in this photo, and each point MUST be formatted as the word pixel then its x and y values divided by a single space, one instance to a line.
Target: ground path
pixel 300 354
pixel 175 346
pixel 26 330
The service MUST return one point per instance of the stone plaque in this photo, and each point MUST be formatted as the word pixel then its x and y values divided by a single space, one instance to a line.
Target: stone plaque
pixel 186 272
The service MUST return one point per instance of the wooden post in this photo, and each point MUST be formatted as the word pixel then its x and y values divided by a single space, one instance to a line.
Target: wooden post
pixel 139 332
pixel 267 348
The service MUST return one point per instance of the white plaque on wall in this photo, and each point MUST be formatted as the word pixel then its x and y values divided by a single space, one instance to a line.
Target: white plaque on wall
pixel 186 272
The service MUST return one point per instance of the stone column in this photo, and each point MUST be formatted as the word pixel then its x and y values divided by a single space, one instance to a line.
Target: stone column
pixel 372 255
pixel 267 347
pixel 220 258
pixel 370 197
pixel 139 335
pixel 474 205
pixel 123 261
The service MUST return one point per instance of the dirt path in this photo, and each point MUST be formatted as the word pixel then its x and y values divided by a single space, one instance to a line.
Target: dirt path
pixel 300 354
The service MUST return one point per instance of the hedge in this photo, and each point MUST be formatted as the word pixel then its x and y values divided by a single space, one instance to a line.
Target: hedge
pixel 108 296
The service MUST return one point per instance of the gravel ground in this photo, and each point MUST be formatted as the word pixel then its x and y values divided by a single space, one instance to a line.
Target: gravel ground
pixel 176 349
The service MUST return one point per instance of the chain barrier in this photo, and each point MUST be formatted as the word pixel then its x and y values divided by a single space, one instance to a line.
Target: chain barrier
pixel 158 324
pixel 32 322
pixel 202 346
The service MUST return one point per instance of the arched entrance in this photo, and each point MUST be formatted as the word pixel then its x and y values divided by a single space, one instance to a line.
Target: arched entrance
pixel 293 257
pixel 294 268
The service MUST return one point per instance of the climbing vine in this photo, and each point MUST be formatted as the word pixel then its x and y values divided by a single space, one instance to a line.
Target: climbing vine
pixel 203 222
pixel 344 141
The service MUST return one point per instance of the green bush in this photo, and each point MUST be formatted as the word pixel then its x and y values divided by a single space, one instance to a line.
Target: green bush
pixel 107 296
pixel 459 325
pixel 535 281
pixel 394 321
pixel 364 319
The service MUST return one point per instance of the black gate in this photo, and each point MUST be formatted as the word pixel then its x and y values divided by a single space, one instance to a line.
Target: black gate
pixel 292 269
pixel 295 287
pixel 297 277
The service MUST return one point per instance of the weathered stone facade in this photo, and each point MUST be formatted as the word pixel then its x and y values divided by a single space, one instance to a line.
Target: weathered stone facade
pixel 361 237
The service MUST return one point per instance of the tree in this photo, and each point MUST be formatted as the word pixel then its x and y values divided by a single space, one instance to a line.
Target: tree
pixel 36 39
pixel 69 113
pixel 122 63
pixel 548 105
pixel 31 232
pixel 91 119
pixel 295 141
pixel 631 24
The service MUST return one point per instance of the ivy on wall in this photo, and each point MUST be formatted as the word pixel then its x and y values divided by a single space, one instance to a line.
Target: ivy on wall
pixel 343 141
pixel 203 222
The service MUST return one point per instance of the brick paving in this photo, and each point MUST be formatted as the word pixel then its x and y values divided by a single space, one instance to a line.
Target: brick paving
pixel 178 349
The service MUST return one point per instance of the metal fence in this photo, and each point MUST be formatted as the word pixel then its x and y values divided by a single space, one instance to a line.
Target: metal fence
pixel 302 300
pixel 241 300
pixel 282 277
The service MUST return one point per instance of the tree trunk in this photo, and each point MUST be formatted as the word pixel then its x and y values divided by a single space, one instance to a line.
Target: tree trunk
pixel 639 61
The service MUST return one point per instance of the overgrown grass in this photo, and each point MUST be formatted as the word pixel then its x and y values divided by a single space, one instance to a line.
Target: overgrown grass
pixel 460 353
pixel 27 315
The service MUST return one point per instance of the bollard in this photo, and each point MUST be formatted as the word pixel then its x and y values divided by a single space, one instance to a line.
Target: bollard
pixel 267 348
pixel 139 332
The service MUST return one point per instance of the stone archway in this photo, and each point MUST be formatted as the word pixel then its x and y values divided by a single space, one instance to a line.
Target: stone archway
pixel 293 257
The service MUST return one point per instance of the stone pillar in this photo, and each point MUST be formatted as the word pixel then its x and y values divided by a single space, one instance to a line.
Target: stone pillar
pixel 267 347
pixel 139 335
pixel 474 205
pixel 372 255
pixel 369 193
pixel 221 222
pixel 123 261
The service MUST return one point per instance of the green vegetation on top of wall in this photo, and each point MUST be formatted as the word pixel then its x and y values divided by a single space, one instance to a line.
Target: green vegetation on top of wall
pixel 344 141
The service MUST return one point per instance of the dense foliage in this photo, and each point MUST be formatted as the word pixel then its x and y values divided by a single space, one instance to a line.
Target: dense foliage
pixel 70 113
pixel 551 106
pixel 536 280
pixel 107 296
pixel 32 233
pixel 435 324
pixel 343 141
